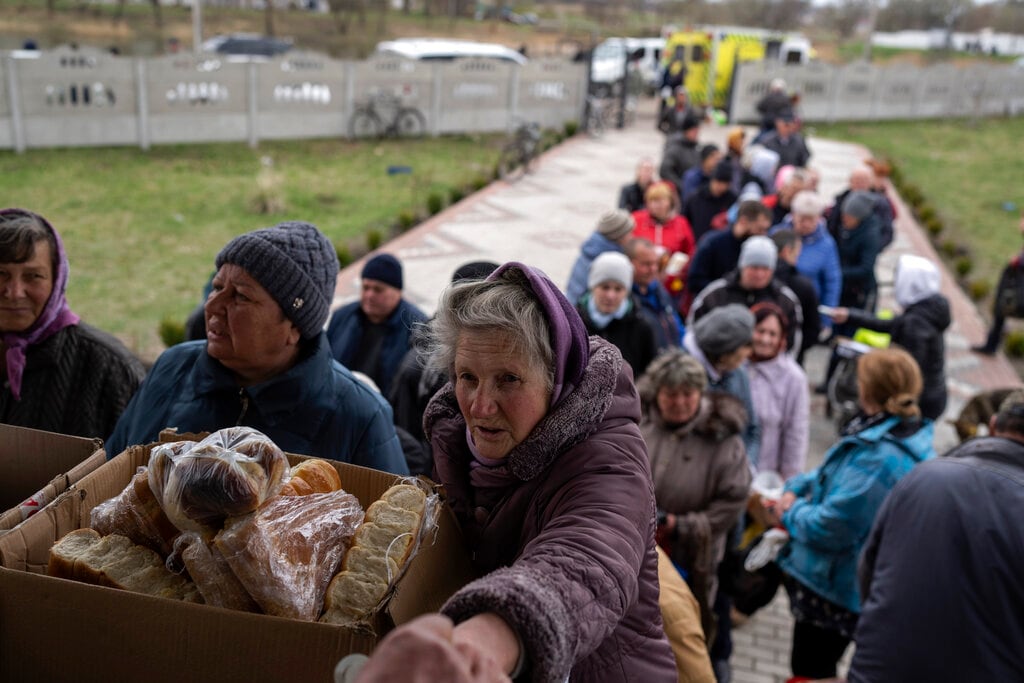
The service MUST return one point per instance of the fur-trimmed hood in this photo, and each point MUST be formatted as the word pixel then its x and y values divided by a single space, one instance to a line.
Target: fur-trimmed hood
pixel 720 416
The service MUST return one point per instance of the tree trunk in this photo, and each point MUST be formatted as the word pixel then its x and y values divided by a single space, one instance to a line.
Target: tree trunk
pixel 268 17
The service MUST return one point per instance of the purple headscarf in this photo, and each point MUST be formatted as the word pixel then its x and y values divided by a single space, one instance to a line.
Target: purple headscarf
pixel 55 315
pixel 568 334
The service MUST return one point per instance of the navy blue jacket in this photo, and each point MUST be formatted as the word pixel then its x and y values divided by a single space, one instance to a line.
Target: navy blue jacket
pixel 941 572
pixel 316 408
pixel 345 333
pixel 717 253
pixel 657 306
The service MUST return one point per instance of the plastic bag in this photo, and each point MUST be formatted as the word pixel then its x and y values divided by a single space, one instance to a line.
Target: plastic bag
pixel 286 552
pixel 137 514
pixel 211 573
pixel 227 474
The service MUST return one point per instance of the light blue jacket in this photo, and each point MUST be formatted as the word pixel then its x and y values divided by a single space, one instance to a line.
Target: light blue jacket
pixel 837 503
pixel 594 246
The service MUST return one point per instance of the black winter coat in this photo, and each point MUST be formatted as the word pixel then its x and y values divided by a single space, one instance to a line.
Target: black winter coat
pixel 632 334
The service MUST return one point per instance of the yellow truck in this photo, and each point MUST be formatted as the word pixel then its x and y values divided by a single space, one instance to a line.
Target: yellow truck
pixel 711 55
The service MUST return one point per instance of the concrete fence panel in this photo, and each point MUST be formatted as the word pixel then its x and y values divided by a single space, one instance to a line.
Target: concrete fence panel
pixel 552 92
pixel 478 95
pixel 855 93
pixel 896 92
pixel 197 99
pixel 939 91
pixel 301 96
pixel 408 83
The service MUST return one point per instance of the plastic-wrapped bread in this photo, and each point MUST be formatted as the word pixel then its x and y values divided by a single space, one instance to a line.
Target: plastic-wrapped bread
pixel 379 552
pixel 115 561
pixel 136 514
pixel 212 575
pixel 286 552
pixel 227 474
pixel 311 476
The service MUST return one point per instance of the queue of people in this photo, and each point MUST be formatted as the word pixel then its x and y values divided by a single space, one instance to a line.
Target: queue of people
pixel 597 451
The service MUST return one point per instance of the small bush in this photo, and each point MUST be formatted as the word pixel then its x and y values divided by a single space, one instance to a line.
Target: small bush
pixel 455 195
pixel 963 265
pixel 172 331
pixel 571 127
pixel 269 195
pixel 479 183
pixel 978 289
pixel 1014 344
pixel 912 194
pixel 374 239
pixel 344 253
pixel 949 247
pixel 406 220
pixel 925 213
pixel 435 202
pixel 933 226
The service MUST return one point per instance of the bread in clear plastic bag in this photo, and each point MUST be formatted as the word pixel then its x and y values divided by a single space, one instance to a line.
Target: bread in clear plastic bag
pixel 384 545
pixel 227 474
pixel 211 573
pixel 136 514
pixel 286 552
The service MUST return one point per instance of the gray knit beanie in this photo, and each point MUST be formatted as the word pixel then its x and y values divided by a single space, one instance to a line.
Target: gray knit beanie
pixel 615 224
pixel 611 265
pixel 859 204
pixel 724 329
pixel 297 266
pixel 758 251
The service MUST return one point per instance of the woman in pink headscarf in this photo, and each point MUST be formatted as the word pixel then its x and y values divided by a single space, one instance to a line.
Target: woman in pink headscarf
pixel 58 374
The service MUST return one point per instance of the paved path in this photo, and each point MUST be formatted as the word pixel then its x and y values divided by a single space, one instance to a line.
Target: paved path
pixel 543 219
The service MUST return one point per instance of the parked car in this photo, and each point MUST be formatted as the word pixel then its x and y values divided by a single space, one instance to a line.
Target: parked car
pixel 609 62
pixel 247 45
pixel 447 50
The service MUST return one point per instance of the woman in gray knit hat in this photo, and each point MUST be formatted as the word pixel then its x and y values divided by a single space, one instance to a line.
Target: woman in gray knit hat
pixel 265 362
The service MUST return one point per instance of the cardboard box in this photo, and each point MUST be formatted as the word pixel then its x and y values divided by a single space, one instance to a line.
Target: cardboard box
pixel 40 465
pixel 53 629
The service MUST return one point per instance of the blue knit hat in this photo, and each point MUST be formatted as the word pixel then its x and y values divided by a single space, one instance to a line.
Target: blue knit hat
pixel 384 268
pixel 297 266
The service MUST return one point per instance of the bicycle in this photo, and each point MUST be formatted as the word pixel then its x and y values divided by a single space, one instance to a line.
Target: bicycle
pixel 603 113
pixel 384 115
pixel 520 152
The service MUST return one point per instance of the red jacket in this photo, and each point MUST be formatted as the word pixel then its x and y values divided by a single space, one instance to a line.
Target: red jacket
pixel 675 235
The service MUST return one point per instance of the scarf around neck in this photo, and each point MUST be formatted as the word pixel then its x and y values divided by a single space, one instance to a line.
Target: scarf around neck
pixel 55 316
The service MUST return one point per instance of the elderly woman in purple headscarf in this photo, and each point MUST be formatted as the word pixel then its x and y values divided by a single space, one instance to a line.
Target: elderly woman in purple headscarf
pixel 537 443
pixel 59 374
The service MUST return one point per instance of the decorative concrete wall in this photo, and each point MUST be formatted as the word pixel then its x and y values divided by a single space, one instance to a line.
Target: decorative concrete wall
pixel 89 98
pixel 864 92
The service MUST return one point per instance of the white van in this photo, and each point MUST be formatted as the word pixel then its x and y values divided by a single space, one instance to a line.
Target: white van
pixel 447 50
pixel 609 61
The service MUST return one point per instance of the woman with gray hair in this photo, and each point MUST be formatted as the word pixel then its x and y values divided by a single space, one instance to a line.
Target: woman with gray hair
pixel 699 467
pixel 537 444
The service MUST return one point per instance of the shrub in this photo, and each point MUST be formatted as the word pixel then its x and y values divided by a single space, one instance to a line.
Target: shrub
pixel 949 247
pixel 933 226
pixel 978 289
pixel 925 213
pixel 571 127
pixel 374 239
pixel 172 331
pixel 344 253
pixel 913 195
pixel 269 195
pixel 455 195
pixel 963 265
pixel 479 183
pixel 1014 344
pixel 435 202
pixel 406 219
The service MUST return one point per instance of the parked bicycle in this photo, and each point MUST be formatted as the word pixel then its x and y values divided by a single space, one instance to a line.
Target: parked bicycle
pixel 384 115
pixel 603 113
pixel 520 152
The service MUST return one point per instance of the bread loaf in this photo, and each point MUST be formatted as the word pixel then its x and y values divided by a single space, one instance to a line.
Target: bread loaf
pixel 379 552
pixel 136 514
pixel 212 575
pixel 227 474
pixel 115 561
pixel 287 551
pixel 311 476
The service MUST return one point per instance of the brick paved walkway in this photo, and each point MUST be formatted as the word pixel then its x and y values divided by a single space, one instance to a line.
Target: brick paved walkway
pixel 544 218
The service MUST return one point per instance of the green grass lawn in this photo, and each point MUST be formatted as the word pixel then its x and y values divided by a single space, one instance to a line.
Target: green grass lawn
pixel 142 228
pixel 970 172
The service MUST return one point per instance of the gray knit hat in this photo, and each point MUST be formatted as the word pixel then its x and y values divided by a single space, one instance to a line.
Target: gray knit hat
pixel 859 204
pixel 297 266
pixel 615 224
pixel 724 329
pixel 611 265
pixel 758 251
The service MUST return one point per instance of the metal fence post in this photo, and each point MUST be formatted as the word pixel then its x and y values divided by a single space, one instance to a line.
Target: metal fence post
pixel 142 106
pixel 14 100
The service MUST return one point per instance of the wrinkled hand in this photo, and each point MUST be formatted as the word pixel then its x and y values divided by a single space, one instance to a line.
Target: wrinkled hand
pixel 773 509
pixel 840 315
pixel 423 651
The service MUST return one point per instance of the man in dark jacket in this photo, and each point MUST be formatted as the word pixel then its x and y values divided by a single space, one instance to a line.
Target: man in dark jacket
pixel 863 179
pixel 858 249
pixel 719 251
pixel 680 153
pixel 789 246
pixel 707 206
pixel 940 575
pixel 373 334
pixel 631 197
pixel 787 141
pixel 655 302
pixel 753 281
pixel 266 363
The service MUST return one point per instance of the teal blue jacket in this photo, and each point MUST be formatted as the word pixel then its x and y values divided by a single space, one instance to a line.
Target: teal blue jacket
pixel 837 503
pixel 315 408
